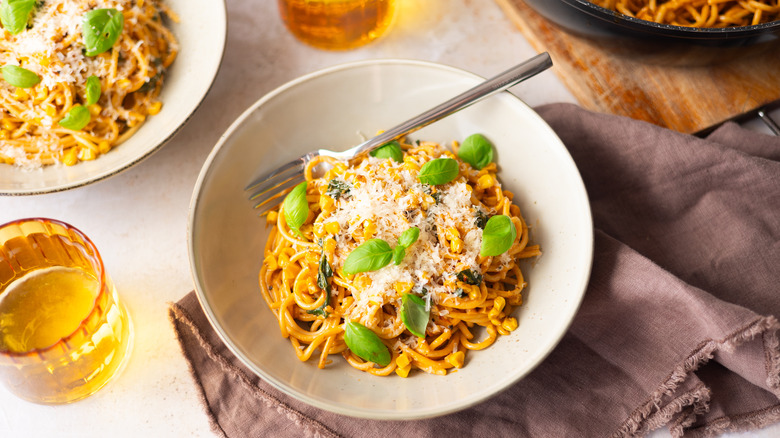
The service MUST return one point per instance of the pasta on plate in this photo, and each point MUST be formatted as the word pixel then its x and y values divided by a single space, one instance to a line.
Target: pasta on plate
pixel 396 259
pixel 697 13
pixel 79 76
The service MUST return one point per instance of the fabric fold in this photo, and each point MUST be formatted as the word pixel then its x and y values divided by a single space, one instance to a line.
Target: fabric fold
pixel 678 327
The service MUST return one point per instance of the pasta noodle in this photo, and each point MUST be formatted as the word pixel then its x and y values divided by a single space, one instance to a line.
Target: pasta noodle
pixel 697 13
pixel 130 74
pixel 377 198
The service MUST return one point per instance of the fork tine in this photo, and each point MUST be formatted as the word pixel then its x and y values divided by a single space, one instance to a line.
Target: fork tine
pixel 279 190
pixel 274 184
pixel 258 184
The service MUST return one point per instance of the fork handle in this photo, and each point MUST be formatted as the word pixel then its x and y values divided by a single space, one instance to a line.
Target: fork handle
pixel 494 85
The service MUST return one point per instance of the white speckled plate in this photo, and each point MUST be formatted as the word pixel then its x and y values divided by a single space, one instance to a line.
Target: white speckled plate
pixel 331 109
pixel 201 33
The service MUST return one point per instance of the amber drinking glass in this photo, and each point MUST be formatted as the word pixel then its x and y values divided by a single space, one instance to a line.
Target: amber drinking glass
pixel 337 24
pixel 63 332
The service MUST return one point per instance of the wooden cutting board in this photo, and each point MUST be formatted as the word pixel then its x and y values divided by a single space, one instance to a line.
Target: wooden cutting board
pixel 685 99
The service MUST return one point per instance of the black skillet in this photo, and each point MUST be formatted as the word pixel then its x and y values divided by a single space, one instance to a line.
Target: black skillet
pixel 659 43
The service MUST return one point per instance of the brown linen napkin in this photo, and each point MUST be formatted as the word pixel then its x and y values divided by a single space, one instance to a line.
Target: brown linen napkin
pixel 678 326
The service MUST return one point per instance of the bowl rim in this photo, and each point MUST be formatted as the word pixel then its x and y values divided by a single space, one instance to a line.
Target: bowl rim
pixel 617 18
pixel 280 385
pixel 100 176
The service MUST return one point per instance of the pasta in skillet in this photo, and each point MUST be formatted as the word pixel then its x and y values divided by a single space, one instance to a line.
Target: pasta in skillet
pixel 697 13
pixel 385 260
pixel 79 76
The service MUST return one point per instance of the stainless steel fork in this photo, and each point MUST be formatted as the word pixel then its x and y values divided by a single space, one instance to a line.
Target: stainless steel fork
pixel 271 186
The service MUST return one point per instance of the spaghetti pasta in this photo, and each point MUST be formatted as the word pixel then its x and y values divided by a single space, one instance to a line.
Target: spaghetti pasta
pixel 697 13
pixel 375 198
pixel 130 75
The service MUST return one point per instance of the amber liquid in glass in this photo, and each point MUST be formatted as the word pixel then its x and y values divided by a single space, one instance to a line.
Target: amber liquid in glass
pixel 337 24
pixel 45 306
pixel 64 334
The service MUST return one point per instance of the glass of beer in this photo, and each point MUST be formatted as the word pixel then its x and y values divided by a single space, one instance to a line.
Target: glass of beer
pixel 63 332
pixel 337 24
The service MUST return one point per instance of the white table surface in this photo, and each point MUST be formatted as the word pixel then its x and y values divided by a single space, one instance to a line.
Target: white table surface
pixel 138 218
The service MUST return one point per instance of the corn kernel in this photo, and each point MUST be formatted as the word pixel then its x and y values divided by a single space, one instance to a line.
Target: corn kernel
pixel 270 262
pixel 312 257
pixel 21 94
pixel 330 246
pixel 403 361
pixel 8 125
pixel 456 246
pixel 403 372
pixel 283 260
pixel 456 359
pixel 271 217
pixel 154 108
pixel 70 158
pixel 332 227
pixel 326 203
pixel 402 287
pixel 452 233
pixel 50 110
pixel 123 83
pixel 86 154
pixel 4 134
pixel 509 324
pixel 95 109
pixel 104 147
pixel 319 229
pixel 369 229
pixel 485 181
pixel 411 166
pixel 362 281
pixel 41 93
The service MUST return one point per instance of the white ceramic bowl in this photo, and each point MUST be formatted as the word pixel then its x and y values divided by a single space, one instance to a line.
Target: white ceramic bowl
pixel 332 109
pixel 201 33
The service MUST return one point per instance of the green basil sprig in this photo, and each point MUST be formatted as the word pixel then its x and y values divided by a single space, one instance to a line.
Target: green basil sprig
pixel 469 276
pixel 324 272
pixel 414 315
pixel 15 14
pixel 372 255
pixel 405 240
pixel 498 236
pixel 20 77
pixel 101 29
pixel 76 119
pixel 337 189
pixel 366 344
pixel 476 150
pixel 92 94
pixel 389 150
pixel 438 171
pixel 296 208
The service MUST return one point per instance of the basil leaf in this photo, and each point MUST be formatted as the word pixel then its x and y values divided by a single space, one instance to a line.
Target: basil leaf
pixel 20 77
pixel 93 90
pixel 470 277
pixel 337 189
pixel 408 237
pixel 374 254
pixel 320 311
pixel 389 150
pixel 399 252
pixel 101 29
pixel 476 150
pixel 414 315
pixel 296 207
pixel 76 119
pixel 498 236
pixel 481 219
pixel 439 171
pixel 323 273
pixel 366 344
pixel 15 14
